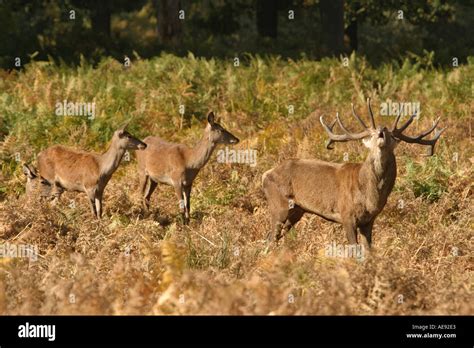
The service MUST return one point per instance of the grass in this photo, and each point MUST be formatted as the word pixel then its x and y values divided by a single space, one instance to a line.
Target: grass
pixel 131 264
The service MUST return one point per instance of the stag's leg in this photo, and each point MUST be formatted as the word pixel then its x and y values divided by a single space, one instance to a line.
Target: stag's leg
pixel 187 202
pixel 279 213
pixel 294 215
pixel 278 208
pixel 148 191
pixel 366 233
pixel 351 231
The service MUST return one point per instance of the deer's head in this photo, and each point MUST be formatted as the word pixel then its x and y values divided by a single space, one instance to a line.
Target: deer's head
pixel 127 141
pixel 378 138
pixel 217 133
pixel 35 185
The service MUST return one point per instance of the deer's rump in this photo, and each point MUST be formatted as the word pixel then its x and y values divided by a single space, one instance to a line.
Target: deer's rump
pixel 72 169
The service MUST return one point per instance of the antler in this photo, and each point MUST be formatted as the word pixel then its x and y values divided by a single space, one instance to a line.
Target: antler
pixel 348 135
pixel 398 133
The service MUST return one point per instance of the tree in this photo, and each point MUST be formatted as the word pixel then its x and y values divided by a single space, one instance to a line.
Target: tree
pixel 332 24
pixel 267 18
pixel 101 14
pixel 417 12
pixel 169 24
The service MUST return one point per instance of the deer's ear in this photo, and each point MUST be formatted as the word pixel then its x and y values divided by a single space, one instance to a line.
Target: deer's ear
pixel 29 172
pixel 210 118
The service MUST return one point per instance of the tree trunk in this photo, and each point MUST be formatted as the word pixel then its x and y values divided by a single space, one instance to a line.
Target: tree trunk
pixel 100 19
pixel 351 33
pixel 332 22
pixel 169 24
pixel 267 18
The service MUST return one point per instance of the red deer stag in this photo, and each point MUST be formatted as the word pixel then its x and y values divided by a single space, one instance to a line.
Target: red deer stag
pixel 351 194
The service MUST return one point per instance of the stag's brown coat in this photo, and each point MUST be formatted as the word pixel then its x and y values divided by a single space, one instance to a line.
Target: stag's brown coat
pixel 351 194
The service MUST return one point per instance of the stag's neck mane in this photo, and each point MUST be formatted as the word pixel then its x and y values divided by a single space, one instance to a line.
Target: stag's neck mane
pixel 377 177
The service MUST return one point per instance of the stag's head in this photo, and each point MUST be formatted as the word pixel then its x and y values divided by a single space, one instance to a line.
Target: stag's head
pixel 381 138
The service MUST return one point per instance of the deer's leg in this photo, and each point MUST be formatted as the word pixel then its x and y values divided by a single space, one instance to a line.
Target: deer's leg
pixel 284 229
pixel 45 190
pixel 295 215
pixel 56 192
pixel 351 231
pixel 143 181
pixel 278 207
pixel 178 188
pixel 91 195
pixel 187 202
pixel 148 191
pixel 366 233
pixel 280 222
pixel 98 204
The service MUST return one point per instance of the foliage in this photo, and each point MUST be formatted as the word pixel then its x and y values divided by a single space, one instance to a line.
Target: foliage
pixel 227 29
pixel 135 264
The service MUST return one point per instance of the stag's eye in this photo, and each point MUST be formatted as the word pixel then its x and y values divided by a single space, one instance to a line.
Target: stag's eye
pixel 381 135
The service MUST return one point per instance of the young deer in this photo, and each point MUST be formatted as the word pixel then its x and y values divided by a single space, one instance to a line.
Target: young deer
pixel 177 164
pixel 72 170
pixel 351 194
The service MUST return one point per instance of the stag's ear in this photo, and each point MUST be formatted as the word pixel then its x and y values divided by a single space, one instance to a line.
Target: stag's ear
pixel 29 172
pixel 210 118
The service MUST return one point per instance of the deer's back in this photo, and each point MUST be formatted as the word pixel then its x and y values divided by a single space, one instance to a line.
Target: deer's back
pixel 161 157
pixel 72 168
